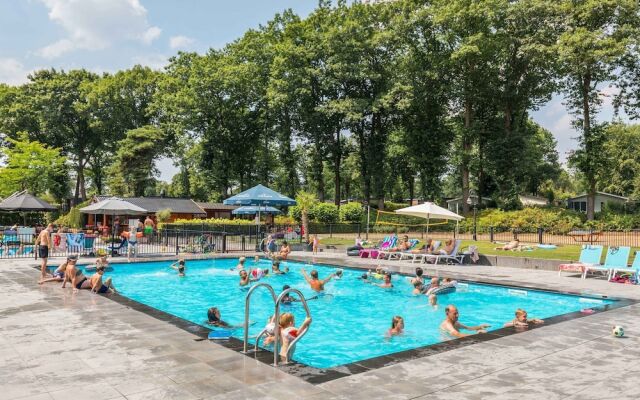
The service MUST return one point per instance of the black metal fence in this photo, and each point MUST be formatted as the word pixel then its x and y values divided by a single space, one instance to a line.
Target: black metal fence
pixel 14 244
pixel 178 239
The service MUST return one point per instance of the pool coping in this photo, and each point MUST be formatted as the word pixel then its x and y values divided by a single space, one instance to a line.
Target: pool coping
pixel 322 375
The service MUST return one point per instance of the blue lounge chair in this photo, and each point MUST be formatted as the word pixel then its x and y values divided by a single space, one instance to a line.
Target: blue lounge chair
pixel 589 256
pixel 617 258
pixel 634 268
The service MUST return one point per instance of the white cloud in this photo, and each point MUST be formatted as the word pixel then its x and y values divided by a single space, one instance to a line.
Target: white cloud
pixel 180 42
pixel 12 71
pixel 97 24
pixel 153 61
pixel 151 34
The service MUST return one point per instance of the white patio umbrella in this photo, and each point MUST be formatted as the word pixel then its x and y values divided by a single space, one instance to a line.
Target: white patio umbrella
pixel 113 206
pixel 429 211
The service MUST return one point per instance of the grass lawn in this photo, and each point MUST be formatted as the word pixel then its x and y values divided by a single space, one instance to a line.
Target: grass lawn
pixel 565 252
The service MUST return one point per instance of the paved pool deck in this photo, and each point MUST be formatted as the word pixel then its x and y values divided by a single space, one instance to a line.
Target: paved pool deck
pixel 55 344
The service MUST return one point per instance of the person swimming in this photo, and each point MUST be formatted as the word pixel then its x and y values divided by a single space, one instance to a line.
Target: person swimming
pixel 214 318
pixel 288 298
pixel 179 266
pixel 521 321
pixel 397 326
pixel 241 262
pixel 338 273
pixel 275 267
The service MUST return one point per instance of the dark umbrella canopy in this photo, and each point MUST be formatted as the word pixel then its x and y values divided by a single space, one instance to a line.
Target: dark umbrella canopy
pixel 25 202
pixel 248 210
pixel 260 196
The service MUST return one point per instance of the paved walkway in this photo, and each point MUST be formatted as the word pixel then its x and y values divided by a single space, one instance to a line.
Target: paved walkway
pixel 58 345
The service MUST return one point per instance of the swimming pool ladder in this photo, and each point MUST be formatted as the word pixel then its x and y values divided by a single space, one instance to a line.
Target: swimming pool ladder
pixel 247 302
pixel 276 332
pixel 277 301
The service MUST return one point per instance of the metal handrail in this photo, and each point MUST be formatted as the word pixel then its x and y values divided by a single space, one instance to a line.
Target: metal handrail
pixel 276 341
pixel 246 310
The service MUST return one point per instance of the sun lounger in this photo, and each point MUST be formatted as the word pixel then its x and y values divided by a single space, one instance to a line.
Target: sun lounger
pixel 455 255
pixel 421 256
pixel 633 269
pixel 397 255
pixel 589 256
pixel 617 258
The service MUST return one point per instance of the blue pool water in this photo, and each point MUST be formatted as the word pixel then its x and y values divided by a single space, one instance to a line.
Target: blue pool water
pixel 349 323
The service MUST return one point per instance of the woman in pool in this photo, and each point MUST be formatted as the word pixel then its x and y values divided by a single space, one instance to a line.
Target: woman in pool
pixel 289 332
pixel 397 326
pixel 521 321
pixel 179 266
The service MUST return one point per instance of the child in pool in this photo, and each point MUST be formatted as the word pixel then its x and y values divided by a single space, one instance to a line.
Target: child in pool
pixel 241 262
pixel 275 267
pixel 338 274
pixel 521 321
pixel 433 301
pixel 179 266
pixel 397 326
pixel 289 332
pixel 270 328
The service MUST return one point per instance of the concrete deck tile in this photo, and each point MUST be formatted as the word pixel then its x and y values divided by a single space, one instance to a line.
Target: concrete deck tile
pixel 82 391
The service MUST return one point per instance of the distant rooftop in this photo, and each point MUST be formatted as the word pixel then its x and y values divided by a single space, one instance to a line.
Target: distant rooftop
pixel 155 204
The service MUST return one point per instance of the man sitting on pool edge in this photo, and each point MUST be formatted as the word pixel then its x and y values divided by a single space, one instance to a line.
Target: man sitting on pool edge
pixel 452 326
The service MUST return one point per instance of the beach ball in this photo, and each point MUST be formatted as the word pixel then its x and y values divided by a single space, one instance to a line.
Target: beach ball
pixel 618 331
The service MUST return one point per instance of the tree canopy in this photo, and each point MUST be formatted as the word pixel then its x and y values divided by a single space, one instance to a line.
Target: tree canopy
pixel 387 101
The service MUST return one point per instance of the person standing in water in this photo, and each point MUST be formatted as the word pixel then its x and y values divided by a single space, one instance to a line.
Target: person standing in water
pixel 313 281
pixel 44 243
pixel 451 325
pixel 179 266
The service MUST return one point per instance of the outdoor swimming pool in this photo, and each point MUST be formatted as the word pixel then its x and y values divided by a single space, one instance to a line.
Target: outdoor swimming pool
pixel 349 322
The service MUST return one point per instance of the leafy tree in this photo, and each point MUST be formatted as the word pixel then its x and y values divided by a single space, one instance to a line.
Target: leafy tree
pixel 32 166
pixel 594 40
pixel 133 168
pixel 351 212
pixel 620 173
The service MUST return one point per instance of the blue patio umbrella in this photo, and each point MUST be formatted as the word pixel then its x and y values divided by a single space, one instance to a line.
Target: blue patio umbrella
pixel 259 196
pixel 244 210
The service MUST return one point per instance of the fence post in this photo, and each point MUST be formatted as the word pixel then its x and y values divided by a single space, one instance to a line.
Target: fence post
pixel 540 232
pixel 491 234
pixel 243 243
pixel 224 242
pixel 330 230
pixel 177 248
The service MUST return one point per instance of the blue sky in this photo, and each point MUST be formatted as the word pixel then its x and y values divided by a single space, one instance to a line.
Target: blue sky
pixel 107 35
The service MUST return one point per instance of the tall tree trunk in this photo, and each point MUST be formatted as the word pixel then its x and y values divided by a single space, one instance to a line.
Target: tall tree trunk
pixel 466 149
pixel 376 158
pixel 412 182
pixel 318 170
pixel 586 129
pixel 337 159
pixel 364 163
